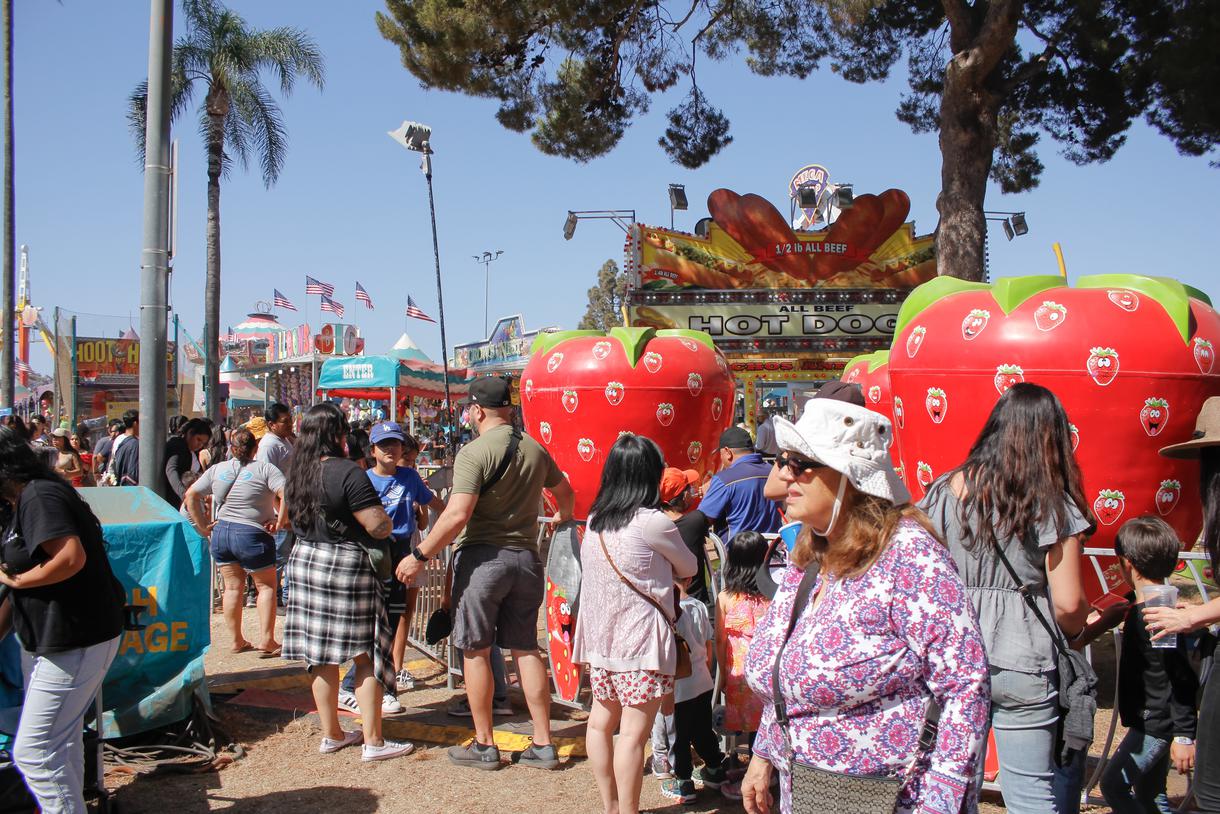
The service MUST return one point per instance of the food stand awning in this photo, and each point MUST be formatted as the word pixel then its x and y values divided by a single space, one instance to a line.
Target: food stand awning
pixel 372 377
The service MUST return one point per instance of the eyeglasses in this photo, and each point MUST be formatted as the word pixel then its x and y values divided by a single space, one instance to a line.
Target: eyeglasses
pixel 797 465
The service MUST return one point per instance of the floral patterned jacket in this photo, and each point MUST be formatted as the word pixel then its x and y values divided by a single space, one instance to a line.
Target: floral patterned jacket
pixel 859 671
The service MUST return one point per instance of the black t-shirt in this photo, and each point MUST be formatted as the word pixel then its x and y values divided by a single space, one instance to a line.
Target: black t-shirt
pixel 1156 686
pixel 86 608
pixel 693 527
pixel 346 489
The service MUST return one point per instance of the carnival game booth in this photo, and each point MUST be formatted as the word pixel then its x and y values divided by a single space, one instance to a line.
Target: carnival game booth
pixel 787 302
pixel 390 379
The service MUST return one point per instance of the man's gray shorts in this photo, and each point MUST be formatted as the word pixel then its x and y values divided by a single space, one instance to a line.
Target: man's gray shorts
pixel 496 596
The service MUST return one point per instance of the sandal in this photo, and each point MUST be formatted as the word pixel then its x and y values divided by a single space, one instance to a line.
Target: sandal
pixel 245 648
pixel 271 654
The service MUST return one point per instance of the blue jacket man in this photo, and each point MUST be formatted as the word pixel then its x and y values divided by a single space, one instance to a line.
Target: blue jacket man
pixel 734 496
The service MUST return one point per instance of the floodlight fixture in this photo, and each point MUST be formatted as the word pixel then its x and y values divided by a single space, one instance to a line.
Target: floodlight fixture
pixel 414 136
pixel 807 197
pixel 1008 230
pixel 677 197
pixel 1019 226
pixel 843 197
pixel 569 226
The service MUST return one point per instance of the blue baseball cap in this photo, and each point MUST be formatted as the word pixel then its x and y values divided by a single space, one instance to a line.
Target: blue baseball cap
pixel 386 429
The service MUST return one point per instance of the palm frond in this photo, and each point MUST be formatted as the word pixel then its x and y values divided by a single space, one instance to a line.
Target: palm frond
pixel 289 52
pixel 137 118
pixel 263 122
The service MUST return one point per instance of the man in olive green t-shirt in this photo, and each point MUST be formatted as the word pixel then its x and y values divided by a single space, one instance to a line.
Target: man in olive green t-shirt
pixel 498 579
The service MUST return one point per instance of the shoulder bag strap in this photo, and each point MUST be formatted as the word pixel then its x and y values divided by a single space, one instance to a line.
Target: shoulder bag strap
pixel 1023 590
pixel 509 454
pixel 798 604
pixel 632 586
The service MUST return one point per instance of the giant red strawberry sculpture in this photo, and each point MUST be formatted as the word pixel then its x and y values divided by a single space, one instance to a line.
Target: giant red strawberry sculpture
pixel 872 372
pixel 581 389
pixel 1130 357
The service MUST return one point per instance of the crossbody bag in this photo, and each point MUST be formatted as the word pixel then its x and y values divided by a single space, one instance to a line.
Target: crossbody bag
pixel 816 790
pixel 684 667
pixel 1077 680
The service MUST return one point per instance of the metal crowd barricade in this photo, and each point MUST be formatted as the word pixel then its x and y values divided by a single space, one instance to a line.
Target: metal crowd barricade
pixel 432 592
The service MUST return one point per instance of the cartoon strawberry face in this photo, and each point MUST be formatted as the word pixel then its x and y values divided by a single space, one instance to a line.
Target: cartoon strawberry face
pixel 853 375
pixel 1102 365
pixel 900 416
pixel 1205 354
pixel 693 450
pixel 1167 496
pixel 694 383
pixel 722 364
pixel 1075 436
pixel 874 393
pixel 1126 300
pixel 717 408
pixel 652 361
pixel 1049 316
pixel 690 345
pixel 1006 376
pixel 553 363
pixel 974 323
pixel 1109 506
pixel 1154 415
pixel 665 413
pixel 937 403
pixel 544 430
pixel 923 475
pixel 900 472
pixel 584 448
pixel 915 340
pixel 601 350
pixel 529 389
pixel 570 400
pixel 614 393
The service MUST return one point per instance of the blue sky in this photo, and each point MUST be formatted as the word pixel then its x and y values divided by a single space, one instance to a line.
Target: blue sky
pixel 352 205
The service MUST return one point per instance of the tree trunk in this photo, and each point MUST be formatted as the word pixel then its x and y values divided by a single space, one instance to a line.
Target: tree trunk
pixel 217 109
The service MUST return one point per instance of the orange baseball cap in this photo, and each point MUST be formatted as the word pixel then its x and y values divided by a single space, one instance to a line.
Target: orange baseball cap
pixel 675 481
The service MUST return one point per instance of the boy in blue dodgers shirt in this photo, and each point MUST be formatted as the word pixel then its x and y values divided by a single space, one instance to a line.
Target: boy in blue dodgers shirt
pixel 401 489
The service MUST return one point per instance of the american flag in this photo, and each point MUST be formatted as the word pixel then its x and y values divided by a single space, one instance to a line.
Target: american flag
pixel 413 311
pixel 280 301
pixel 363 296
pixel 21 367
pixel 313 286
pixel 335 308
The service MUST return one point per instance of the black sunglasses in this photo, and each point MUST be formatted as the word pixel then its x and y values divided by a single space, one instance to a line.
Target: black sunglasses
pixel 796 464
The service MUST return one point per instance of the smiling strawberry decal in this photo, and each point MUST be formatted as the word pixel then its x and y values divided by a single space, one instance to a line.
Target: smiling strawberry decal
pixel 570 400
pixel 1154 415
pixel 900 472
pixel 937 404
pixel 529 389
pixel 694 383
pixel 1109 506
pixel 923 475
pixel 874 393
pixel 974 323
pixel 693 450
pixel 614 393
pixel 717 408
pixel 852 375
pixel 585 449
pixel 1126 300
pixel 1075 436
pixel 1102 365
pixel 665 413
pixel 652 361
pixel 1205 354
pixel 1006 376
pixel 544 430
pixel 693 347
pixel 1167 496
pixel 554 362
pixel 915 340
pixel 601 350
pixel 1049 316
pixel 900 417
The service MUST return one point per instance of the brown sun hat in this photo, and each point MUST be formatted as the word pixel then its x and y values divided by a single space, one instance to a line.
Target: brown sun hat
pixel 1207 432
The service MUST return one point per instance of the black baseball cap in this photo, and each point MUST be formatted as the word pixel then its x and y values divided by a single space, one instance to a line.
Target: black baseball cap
pixel 736 438
pixel 491 391
pixel 849 392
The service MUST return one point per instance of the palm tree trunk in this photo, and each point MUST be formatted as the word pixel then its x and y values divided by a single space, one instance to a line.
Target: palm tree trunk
pixel 211 291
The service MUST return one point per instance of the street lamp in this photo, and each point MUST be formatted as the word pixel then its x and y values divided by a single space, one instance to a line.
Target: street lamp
pixel 417 138
pixel 487 258
pixel 1014 226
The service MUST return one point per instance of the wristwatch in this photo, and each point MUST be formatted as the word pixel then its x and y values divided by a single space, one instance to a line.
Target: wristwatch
pixel 1182 740
pixel 417 554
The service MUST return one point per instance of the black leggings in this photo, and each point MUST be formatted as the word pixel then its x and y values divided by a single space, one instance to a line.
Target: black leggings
pixel 693 727
pixel 1207 750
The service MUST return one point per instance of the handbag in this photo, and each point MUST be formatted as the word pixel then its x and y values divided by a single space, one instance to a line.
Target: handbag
pixel 1077 680
pixel 816 790
pixel 684 666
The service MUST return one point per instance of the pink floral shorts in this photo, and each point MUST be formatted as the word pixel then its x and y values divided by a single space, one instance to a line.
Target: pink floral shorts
pixel 632 688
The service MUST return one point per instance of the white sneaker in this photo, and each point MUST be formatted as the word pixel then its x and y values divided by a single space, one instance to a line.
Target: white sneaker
pixel 405 680
pixel 347 701
pixel 386 750
pixel 349 739
pixel 391 705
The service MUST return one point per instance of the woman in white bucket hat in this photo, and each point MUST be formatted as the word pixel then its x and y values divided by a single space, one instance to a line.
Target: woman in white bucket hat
pixel 869 634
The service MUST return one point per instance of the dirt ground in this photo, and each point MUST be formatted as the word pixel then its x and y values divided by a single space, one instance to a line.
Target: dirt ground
pixel 283 773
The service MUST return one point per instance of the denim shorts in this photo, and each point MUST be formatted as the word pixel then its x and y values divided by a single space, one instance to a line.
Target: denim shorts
pixel 250 547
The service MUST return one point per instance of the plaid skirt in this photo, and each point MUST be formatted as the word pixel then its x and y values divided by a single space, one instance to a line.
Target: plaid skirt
pixel 336 609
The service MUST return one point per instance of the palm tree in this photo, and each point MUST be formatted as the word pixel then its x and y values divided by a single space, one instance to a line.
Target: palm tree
pixel 237 119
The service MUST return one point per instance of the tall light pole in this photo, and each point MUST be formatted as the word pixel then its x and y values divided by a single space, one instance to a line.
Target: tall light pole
pixel 7 309
pixel 486 259
pixel 417 137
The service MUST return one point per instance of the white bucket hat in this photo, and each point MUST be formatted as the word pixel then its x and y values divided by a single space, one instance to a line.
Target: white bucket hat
pixel 849 439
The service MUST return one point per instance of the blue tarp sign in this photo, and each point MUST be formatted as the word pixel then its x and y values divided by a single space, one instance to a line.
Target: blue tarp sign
pixel 165 569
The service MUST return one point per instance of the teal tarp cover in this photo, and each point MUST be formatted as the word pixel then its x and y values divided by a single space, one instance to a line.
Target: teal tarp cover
pixel 165 569
pixel 358 372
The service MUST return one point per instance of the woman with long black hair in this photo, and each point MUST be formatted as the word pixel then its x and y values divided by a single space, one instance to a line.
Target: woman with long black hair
pixel 67 609
pixel 337 605
pixel 1205 446
pixel 629 559
pixel 1019 493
